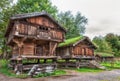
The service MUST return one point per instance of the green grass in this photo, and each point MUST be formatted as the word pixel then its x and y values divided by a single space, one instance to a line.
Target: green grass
pixel 70 41
pixel 59 72
pixel 4 68
pixel 55 73
pixel 111 66
pixel 104 54
pixel 89 70
pixel 8 72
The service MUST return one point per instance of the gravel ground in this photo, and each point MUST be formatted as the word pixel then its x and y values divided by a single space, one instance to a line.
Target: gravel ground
pixel 113 75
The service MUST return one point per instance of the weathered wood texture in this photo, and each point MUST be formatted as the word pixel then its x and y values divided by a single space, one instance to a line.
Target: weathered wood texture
pixel 38 35
pixel 81 49
pixel 40 29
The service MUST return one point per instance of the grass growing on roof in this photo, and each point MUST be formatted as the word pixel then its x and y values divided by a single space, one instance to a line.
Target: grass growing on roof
pixel 104 54
pixel 70 41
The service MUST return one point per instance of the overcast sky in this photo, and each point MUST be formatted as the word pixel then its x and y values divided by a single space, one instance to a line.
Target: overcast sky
pixel 103 15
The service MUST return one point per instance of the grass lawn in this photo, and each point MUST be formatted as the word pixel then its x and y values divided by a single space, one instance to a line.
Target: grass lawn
pixel 4 69
pixel 86 69
pixel 89 70
pixel 8 72
pixel 110 66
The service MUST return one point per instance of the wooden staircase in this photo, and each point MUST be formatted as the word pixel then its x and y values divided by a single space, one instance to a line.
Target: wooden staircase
pixel 35 70
pixel 95 64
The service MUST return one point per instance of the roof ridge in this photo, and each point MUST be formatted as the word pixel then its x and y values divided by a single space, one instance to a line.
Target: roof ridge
pixel 30 14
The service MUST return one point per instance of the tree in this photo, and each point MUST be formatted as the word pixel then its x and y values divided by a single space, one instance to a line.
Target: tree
pixel 102 44
pixel 4 5
pixel 114 41
pixel 27 6
pixel 75 25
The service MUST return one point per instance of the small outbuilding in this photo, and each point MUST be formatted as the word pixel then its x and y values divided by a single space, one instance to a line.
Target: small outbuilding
pixel 104 57
pixel 78 47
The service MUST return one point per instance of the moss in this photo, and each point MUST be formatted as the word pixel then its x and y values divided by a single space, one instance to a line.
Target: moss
pixel 104 54
pixel 70 41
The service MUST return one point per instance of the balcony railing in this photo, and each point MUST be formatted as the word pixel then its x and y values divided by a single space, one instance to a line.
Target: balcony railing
pixel 40 32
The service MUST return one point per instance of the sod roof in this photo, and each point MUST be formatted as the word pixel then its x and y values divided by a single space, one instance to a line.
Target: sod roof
pixel 70 41
pixel 103 54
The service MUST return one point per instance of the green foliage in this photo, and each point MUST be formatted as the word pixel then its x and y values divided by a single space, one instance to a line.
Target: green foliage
pixel 27 6
pixel 5 7
pixel 22 76
pixel 59 72
pixel 75 25
pixel 109 44
pixel 114 41
pixel 102 44
pixel 4 68
pixel 5 4
pixel 70 41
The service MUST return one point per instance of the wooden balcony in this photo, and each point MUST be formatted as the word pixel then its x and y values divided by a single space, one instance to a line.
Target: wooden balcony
pixel 38 32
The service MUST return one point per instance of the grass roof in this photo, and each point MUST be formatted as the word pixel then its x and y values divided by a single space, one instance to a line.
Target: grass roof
pixel 104 54
pixel 70 41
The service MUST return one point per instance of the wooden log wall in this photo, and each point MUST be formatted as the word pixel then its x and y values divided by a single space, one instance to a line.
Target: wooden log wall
pixel 28 48
pixel 83 48
pixel 39 50
pixel 40 31
pixel 83 51
pixel 42 21
pixel 55 32
pixel 25 29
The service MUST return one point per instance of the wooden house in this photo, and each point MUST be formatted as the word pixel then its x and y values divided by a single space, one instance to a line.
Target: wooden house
pixel 77 52
pixel 34 35
pixel 104 57
pixel 76 48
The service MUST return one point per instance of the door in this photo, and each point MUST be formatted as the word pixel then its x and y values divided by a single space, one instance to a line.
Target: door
pixel 39 50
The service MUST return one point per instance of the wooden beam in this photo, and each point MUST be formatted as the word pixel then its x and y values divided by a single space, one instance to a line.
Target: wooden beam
pixel 54 47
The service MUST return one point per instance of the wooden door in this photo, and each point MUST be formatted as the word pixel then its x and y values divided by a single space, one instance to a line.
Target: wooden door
pixel 39 50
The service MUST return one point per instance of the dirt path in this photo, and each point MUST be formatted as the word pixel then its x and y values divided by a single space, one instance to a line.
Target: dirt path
pixel 113 75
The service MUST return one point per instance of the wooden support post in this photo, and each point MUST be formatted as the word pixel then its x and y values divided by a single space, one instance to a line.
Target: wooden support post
pixel 52 47
pixel 19 42
pixel 66 61
pixel 55 62
pixel 77 63
pixel 45 60
pixel 38 61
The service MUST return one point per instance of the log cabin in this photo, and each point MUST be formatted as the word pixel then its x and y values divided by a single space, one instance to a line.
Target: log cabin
pixel 104 57
pixel 34 35
pixel 76 52
pixel 77 47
